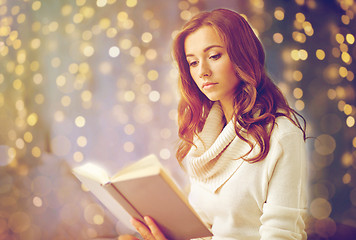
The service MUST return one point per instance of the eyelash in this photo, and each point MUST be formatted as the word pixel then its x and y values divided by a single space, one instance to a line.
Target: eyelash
pixel 192 64
pixel 214 57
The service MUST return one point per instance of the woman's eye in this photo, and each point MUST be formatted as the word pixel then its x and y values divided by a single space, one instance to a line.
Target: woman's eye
pixel 216 56
pixel 193 64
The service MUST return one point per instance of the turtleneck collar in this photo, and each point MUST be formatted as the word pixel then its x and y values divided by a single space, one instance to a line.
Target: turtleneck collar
pixel 218 151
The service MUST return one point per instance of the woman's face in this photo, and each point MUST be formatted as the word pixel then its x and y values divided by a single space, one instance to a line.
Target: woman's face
pixel 210 65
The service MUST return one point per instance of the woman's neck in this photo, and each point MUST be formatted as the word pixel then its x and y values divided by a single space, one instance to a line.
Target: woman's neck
pixel 227 107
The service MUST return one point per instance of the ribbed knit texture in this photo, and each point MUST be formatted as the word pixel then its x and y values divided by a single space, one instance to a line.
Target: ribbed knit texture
pixel 211 161
pixel 242 201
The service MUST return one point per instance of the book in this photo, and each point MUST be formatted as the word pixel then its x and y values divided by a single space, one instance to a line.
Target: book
pixel 145 188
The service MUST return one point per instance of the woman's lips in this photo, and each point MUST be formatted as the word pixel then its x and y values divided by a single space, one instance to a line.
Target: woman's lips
pixel 208 85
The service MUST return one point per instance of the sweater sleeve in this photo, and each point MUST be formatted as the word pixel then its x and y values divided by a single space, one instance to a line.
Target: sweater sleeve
pixel 285 207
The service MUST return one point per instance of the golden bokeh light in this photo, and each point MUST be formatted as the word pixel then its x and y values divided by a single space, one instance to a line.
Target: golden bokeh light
pixel 129 147
pixel 129 129
pixel 165 153
pixel 78 156
pixel 279 13
pixel 28 137
pixel 131 3
pixel 32 119
pixel 36 152
pixel 146 37
pixel 320 54
pixel 152 75
pixel 325 144
pixel 80 121
pixel 320 208
pixel 37 201
pixel 350 121
pixel 82 141
pixel 278 38
pixel 114 51
pixel 154 96
pixel 350 38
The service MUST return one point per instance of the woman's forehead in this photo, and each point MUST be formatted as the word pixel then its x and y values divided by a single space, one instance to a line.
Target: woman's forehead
pixel 201 39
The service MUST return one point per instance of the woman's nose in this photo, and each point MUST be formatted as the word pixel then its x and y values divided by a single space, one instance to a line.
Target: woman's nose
pixel 204 70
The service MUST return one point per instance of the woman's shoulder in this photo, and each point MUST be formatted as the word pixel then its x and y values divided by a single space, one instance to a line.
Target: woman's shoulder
pixel 284 127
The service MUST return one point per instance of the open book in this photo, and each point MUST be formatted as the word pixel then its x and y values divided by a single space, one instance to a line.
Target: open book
pixel 144 188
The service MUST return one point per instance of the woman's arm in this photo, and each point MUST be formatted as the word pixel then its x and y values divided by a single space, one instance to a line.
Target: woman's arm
pixel 285 208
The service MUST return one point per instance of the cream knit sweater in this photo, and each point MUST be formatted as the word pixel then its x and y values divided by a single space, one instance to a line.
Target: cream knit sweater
pixel 248 201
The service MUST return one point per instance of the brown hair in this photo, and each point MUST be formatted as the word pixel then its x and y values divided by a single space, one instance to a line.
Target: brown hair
pixel 257 92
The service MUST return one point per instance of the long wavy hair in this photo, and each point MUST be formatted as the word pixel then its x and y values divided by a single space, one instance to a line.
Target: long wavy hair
pixel 256 93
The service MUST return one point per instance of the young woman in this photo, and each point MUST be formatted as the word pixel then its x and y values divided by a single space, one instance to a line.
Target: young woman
pixel 241 144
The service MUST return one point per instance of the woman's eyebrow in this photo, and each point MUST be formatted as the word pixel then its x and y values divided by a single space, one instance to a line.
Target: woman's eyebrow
pixel 206 49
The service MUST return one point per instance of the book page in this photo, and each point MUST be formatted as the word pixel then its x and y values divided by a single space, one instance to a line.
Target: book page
pixel 137 173
pixel 150 161
pixel 93 172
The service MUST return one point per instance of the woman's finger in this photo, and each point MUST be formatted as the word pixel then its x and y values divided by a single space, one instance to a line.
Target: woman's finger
pixel 142 229
pixel 158 235
pixel 127 237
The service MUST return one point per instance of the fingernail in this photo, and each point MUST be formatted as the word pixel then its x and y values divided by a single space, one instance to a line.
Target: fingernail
pixel 147 219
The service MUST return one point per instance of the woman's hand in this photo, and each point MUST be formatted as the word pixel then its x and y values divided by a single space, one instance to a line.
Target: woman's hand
pixel 149 232
pixel 127 237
